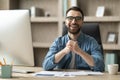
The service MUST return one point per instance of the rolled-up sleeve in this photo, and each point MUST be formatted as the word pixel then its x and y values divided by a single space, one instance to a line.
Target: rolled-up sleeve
pixel 48 63
pixel 97 55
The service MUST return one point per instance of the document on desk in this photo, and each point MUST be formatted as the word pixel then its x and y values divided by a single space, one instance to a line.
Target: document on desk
pixel 64 73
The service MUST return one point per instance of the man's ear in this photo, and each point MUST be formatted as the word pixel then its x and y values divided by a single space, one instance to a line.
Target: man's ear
pixel 82 22
pixel 65 23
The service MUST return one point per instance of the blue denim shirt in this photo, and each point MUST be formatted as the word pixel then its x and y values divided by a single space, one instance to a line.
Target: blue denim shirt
pixel 86 43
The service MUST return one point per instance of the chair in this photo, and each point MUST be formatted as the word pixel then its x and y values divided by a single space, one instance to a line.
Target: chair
pixel 91 29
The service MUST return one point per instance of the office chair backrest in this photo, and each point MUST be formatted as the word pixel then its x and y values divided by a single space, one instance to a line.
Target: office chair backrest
pixel 91 29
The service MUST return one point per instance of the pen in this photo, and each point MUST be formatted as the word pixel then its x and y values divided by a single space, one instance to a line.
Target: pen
pixel 44 74
pixel 4 61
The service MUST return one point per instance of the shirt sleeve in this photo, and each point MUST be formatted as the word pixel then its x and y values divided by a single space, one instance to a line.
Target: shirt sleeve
pixel 48 63
pixel 97 54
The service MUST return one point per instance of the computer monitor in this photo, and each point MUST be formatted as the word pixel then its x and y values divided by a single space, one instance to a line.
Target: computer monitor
pixel 15 38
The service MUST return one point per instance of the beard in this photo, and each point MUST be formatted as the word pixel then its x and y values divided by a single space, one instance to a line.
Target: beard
pixel 74 29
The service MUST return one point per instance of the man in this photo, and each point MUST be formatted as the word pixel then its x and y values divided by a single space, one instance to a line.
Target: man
pixel 74 50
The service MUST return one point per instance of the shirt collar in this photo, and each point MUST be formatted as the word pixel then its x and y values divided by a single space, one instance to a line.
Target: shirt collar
pixel 80 37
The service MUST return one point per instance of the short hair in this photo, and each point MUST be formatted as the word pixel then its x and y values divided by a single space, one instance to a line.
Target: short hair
pixel 75 8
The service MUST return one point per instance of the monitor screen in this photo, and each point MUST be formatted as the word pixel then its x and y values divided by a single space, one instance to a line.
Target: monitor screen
pixel 15 38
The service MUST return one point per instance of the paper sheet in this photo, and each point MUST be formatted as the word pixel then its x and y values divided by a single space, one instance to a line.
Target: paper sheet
pixel 63 73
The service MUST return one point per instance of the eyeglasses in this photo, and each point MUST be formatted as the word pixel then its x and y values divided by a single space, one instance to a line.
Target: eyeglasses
pixel 77 18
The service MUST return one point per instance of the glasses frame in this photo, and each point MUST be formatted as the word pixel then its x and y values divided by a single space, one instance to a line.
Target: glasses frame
pixel 71 18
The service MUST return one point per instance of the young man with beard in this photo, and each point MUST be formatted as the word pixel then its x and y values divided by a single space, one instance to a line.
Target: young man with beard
pixel 74 50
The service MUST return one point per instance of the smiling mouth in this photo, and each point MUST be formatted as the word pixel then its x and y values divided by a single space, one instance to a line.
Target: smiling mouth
pixel 74 27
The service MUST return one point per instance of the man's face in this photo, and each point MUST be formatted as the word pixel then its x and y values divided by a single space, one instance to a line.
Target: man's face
pixel 74 21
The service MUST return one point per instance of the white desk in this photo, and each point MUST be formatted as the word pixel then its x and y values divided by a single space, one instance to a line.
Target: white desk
pixel 21 76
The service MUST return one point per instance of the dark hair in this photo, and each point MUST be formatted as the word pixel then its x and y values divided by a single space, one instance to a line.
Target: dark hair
pixel 76 9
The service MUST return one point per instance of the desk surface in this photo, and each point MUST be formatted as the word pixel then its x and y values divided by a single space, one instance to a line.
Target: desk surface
pixel 23 76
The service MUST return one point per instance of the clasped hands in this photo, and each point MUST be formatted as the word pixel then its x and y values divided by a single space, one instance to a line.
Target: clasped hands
pixel 72 46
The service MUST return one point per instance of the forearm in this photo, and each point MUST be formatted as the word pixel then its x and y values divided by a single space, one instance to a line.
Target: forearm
pixel 88 58
pixel 59 56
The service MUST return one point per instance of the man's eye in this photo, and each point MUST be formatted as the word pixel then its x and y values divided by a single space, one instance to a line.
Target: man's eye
pixel 78 18
pixel 71 18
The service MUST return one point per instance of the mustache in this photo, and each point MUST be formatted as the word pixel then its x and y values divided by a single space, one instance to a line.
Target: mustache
pixel 74 25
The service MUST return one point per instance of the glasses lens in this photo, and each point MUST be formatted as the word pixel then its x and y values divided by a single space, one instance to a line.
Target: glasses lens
pixel 78 18
pixel 70 18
